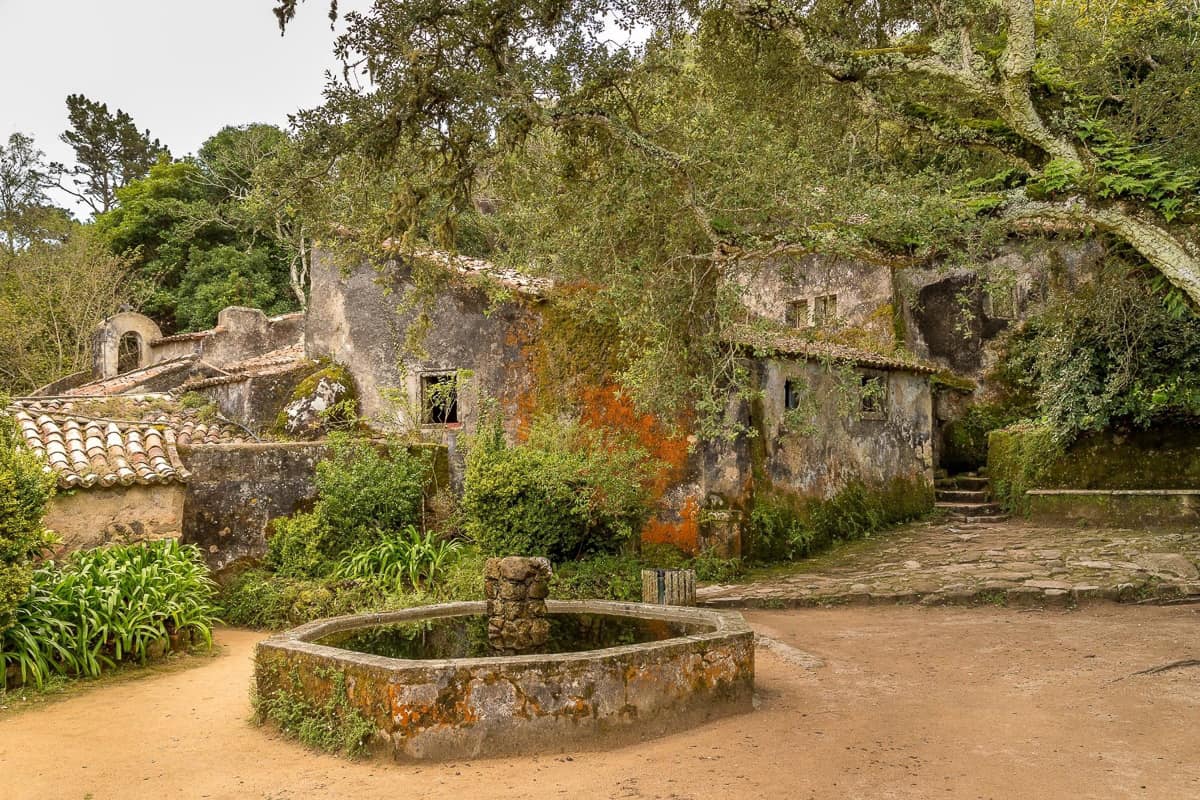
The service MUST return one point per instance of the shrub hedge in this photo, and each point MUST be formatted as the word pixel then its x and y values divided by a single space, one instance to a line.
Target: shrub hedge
pixel 25 489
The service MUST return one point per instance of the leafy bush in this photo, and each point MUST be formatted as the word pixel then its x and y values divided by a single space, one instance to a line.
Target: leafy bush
pixel 408 558
pixel 1115 350
pixel 108 605
pixel 967 437
pixel 615 576
pixel 783 528
pixel 363 493
pixel 25 489
pixel 567 492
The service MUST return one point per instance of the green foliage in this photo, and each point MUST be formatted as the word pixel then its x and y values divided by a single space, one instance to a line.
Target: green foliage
pixel 25 489
pixel 784 528
pixel 606 576
pixel 566 492
pixel 399 559
pixel 335 727
pixel 966 439
pixel 200 242
pixel 108 605
pixel 262 599
pixel 364 491
pixel 1112 351
pixel 52 294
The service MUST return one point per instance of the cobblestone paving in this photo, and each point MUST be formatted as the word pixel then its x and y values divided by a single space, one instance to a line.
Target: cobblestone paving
pixel 1009 563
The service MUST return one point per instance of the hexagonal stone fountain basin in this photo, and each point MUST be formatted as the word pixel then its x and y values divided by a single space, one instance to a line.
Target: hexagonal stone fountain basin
pixel 608 672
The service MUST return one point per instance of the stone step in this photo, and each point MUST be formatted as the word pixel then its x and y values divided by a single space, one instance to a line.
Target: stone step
pixel 963 482
pixel 963 496
pixel 970 509
pixel 985 519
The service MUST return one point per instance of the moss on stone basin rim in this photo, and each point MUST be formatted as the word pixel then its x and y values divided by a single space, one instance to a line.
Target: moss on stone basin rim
pixel 471 707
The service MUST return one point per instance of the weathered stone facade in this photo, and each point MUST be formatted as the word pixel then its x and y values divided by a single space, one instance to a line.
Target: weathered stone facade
pixel 92 517
pixel 237 490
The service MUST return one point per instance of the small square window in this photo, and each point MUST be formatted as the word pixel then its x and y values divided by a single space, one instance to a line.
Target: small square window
pixel 791 395
pixel 439 399
pixel 873 395
pixel 825 309
pixel 797 314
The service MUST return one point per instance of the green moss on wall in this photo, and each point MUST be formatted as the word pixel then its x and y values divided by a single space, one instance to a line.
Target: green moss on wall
pixel 1024 456
pixel 784 527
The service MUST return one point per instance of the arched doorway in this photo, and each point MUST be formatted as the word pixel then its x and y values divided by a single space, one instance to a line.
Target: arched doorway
pixel 129 352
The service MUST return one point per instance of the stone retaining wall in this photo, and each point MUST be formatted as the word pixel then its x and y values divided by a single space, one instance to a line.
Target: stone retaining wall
pixel 1115 508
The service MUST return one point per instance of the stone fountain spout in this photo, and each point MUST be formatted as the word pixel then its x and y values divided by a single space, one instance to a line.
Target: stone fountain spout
pixel 516 589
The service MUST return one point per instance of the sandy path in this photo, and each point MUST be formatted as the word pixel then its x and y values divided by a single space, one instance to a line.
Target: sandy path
pixel 911 703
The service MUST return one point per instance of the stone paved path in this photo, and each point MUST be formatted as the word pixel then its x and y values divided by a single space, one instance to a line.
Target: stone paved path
pixel 1008 563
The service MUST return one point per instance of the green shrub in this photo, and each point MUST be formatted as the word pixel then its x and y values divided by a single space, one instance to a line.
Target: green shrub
pixel 406 558
pixel 615 576
pixel 261 599
pixel 567 492
pixel 25 489
pixel 109 605
pixel 364 491
pixel 335 727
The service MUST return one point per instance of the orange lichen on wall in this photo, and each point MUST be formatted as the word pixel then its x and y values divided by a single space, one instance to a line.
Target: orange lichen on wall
pixel 605 408
pixel 683 533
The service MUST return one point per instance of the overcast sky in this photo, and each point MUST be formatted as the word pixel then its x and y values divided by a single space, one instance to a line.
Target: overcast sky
pixel 182 68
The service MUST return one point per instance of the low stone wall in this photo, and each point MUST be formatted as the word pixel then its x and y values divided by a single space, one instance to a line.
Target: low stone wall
pixel 1115 508
pixel 465 708
pixel 91 517
pixel 236 491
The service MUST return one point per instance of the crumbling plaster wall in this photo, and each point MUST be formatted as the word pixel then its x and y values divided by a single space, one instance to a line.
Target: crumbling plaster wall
pixel 241 333
pixel 360 319
pixel 864 292
pixel 86 518
pixel 847 444
pixel 236 490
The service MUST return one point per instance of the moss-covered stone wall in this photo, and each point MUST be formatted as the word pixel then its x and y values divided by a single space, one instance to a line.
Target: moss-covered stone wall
pixel 1024 456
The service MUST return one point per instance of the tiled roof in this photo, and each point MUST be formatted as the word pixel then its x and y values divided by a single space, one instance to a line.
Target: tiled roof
pixel 787 343
pixel 126 381
pixel 184 337
pixel 87 451
pixel 276 361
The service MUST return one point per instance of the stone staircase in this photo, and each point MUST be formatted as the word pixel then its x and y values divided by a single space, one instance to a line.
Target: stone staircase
pixel 967 498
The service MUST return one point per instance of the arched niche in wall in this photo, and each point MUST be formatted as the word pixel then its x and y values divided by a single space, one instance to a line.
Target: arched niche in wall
pixel 122 342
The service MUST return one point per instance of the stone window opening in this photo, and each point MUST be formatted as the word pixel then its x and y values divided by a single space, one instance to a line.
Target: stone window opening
pixel 791 395
pixel 129 352
pixel 797 314
pixel 1000 302
pixel 873 395
pixel 439 399
pixel 824 309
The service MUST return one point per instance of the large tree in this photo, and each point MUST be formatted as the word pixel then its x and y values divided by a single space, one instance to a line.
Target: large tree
pixel 109 150
pixel 1047 91
pixel 26 214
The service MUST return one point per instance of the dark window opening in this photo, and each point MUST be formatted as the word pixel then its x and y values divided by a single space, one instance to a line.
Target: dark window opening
pixel 797 314
pixel 791 395
pixel 824 309
pixel 439 399
pixel 129 352
pixel 873 393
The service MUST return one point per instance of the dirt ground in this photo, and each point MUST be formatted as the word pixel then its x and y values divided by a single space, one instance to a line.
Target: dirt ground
pixel 911 702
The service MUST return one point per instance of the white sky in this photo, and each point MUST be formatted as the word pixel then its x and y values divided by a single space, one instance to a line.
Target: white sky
pixel 182 68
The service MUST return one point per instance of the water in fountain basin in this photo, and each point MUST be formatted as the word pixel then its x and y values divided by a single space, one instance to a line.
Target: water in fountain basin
pixel 467 636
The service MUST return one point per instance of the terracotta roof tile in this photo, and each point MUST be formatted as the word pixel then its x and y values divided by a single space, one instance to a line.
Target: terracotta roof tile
pixel 275 361
pixel 87 451
pixel 119 384
pixel 792 344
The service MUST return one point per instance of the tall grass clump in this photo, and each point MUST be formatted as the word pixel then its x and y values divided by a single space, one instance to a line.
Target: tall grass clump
pixel 105 606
